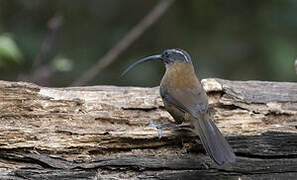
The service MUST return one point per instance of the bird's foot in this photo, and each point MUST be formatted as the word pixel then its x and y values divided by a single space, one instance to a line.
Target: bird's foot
pixel 160 127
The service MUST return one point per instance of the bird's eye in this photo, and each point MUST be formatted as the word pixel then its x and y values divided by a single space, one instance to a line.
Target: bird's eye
pixel 166 54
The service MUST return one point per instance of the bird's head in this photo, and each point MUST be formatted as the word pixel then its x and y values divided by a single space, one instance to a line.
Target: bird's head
pixel 169 57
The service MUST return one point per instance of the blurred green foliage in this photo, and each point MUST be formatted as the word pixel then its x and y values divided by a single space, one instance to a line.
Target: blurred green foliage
pixel 62 64
pixel 238 40
pixel 8 50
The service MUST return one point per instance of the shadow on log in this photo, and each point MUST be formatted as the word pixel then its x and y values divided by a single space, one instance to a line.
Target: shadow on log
pixel 101 132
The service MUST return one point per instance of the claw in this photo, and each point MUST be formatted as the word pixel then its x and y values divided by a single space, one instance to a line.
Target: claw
pixel 151 124
pixel 158 127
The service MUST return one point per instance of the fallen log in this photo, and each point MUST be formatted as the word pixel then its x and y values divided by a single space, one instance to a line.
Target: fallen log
pixel 102 132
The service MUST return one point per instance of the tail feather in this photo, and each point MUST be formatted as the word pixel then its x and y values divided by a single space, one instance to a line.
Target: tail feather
pixel 213 141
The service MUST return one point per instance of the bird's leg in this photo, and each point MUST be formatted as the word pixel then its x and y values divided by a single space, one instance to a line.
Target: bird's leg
pixel 160 127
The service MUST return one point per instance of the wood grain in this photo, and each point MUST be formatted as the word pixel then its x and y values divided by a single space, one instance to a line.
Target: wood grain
pixel 101 132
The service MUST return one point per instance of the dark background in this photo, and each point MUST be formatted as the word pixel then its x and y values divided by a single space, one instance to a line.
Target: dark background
pixel 236 40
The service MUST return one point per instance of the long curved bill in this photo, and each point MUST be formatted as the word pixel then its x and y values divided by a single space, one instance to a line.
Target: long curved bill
pixel 141 61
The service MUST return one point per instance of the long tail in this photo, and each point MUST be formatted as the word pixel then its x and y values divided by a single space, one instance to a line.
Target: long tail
pixel 213 141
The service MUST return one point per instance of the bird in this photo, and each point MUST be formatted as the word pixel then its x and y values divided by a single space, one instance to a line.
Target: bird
pixel 186 100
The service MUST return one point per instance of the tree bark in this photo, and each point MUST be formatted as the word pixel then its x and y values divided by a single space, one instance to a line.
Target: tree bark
pixel 102 132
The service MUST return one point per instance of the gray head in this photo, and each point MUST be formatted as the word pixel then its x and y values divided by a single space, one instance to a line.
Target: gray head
pixel 175 55
pixel 169 56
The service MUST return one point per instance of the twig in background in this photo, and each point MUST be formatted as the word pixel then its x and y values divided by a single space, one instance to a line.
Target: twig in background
pixel 296 66
pixel 53 25
pixel 124 43
pixel 41 73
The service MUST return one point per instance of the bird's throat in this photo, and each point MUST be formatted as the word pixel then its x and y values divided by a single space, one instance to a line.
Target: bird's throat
pixel 180 75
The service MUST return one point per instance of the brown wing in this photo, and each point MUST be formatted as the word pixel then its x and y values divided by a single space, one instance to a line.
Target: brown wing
pixel 195 103
pixel 186 100
pixel 177 114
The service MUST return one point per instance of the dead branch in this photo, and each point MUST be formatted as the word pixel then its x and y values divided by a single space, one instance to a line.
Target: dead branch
pixel 101 132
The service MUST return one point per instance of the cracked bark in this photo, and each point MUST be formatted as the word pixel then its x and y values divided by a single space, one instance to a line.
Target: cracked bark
pixel 101 132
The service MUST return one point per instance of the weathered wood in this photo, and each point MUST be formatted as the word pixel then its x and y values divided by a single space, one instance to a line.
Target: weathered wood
pixel 101 132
